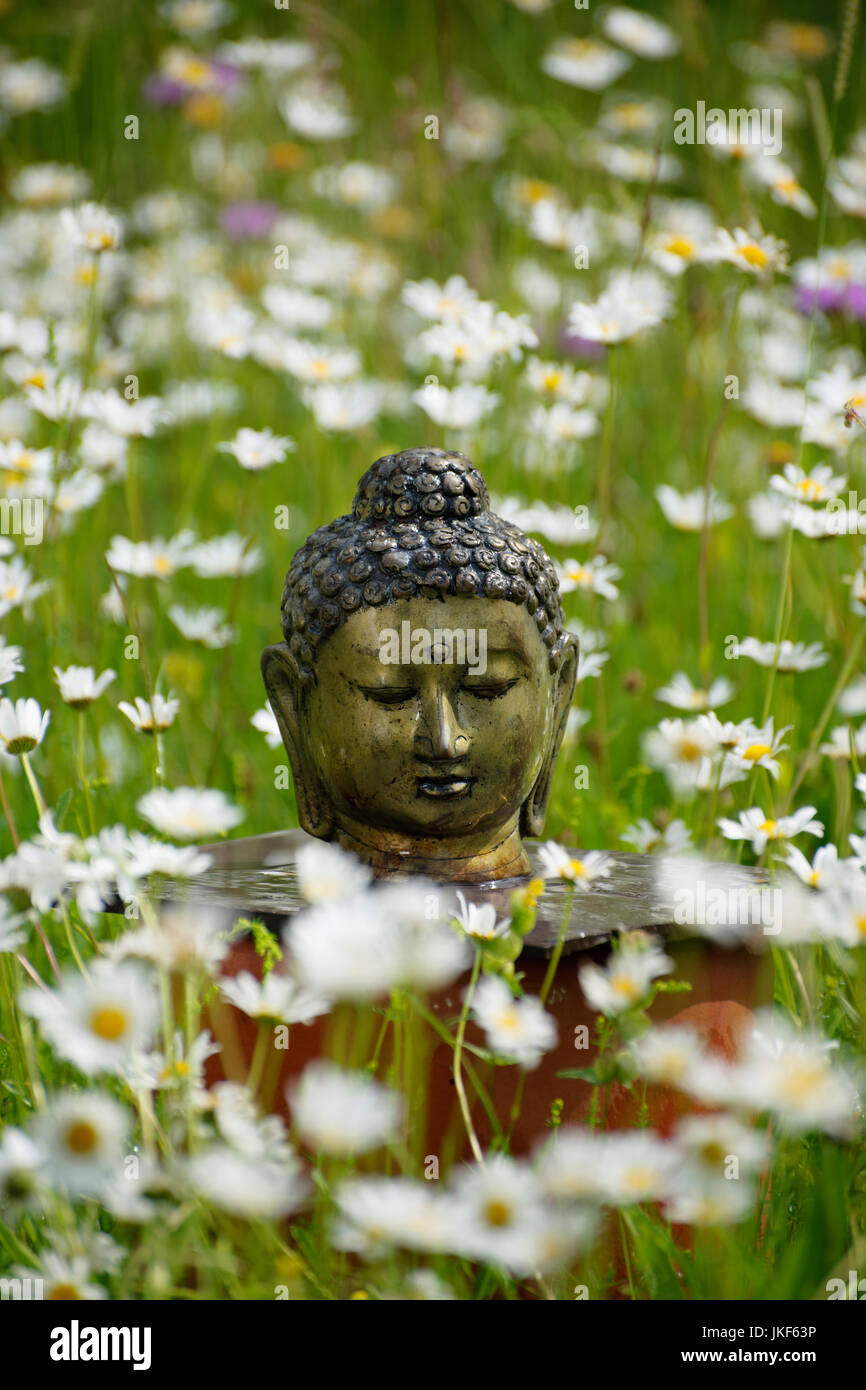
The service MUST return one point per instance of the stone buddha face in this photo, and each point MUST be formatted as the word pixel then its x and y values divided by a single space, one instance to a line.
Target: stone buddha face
pixel 425 679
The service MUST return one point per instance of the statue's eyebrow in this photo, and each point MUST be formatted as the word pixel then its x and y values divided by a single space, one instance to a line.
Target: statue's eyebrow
pixel 516 652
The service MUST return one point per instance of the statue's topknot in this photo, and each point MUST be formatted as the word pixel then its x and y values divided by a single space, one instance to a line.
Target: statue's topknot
pixel 420 485
pixel 420 526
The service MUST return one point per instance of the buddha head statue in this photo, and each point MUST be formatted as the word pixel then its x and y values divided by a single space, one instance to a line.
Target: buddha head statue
pixel 426 675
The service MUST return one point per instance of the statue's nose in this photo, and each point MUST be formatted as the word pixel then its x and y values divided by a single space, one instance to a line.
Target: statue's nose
pixel 439 733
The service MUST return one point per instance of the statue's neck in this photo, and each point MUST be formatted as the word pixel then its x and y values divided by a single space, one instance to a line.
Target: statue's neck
pixel 447 861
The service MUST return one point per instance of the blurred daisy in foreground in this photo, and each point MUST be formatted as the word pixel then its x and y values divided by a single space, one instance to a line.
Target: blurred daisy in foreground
pixel 85 1137
pixel 626 980
pixel 821 872
pixel 790 1073
pixel 517 1028
pixel 274 999
pixel 343 1112
pixel 98 1020
pixel 188 812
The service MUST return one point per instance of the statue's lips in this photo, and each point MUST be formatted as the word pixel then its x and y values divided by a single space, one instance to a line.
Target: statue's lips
pixel 445 785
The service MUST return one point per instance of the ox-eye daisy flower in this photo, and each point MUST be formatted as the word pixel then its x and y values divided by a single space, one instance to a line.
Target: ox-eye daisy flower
pixel 98 1020
pixel 647 838
pixel 586 63
pixel 265 721
pixel 792 656
pixel 22 726
pixel 150 716
pixel 680 693
pixel 78 685
pixel 625 981
pixel 756 827
pixel 479 921
pixel 759 747
pixel 343 1112
pixel 189 812
pixel 818 485
pixel 327 873
pixel 558 862
pixel 843 740
pixel 276 998
pixel 791 1074
pixel 203 625
pixel 156 559
pixel 823 870
pixel 641 33
pixel 517 1028
pixel 756 253
pixel 84 1137
pixel 596 576
pixel 682 750
pixel 257 449
pixel 688 511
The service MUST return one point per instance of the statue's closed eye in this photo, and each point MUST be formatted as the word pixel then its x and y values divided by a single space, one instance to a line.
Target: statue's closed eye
pixel 398 695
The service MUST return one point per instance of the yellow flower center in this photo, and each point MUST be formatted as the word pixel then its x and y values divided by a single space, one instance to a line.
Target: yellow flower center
pixel 754 255
pixel 680 246
pixel 509 1020
pixel 624 987
pixel 770 828
pixel 755 751
pixel 690 752
pixel 64 1293
pixel 497 1213
pixel 109 1023
pixel 713 1153
pixel 81 1137
pixel 638 1179
pixel 802 1079
pixel 162 564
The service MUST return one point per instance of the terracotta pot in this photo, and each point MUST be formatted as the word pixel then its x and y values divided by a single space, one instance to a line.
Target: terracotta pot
pixel 725 986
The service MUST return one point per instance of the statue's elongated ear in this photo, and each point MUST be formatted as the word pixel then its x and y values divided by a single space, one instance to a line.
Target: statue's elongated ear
pixel 284 692
pixel 535 807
